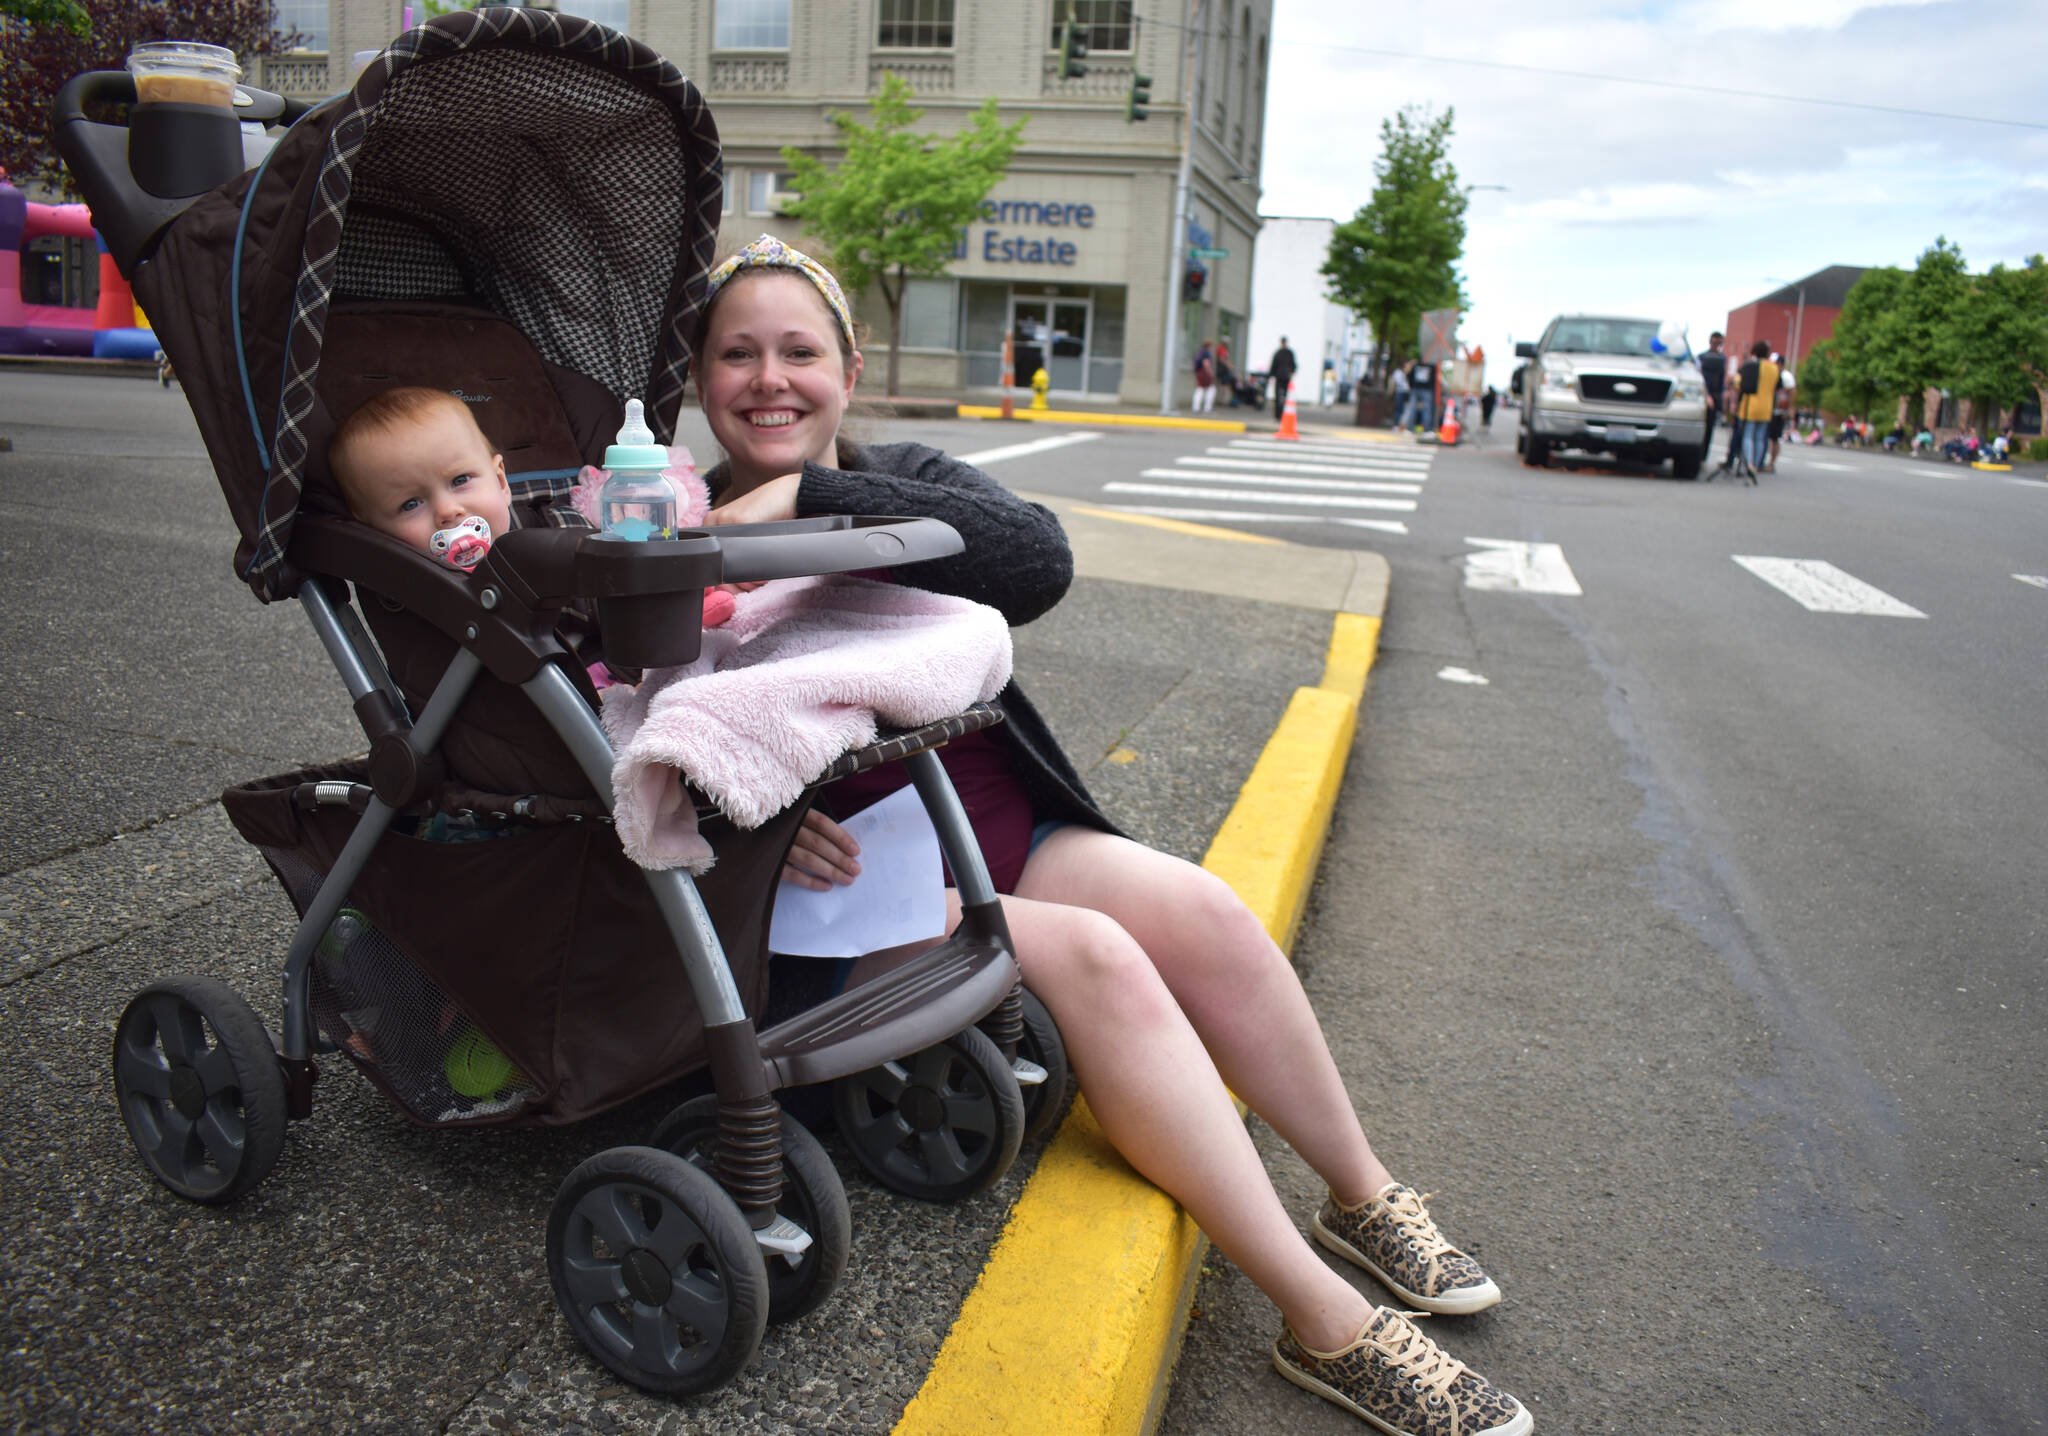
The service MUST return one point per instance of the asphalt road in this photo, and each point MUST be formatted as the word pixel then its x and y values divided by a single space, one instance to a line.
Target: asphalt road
pixel 1694 957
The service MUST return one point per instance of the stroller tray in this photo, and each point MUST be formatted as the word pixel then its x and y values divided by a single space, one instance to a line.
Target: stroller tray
pixel 922 1002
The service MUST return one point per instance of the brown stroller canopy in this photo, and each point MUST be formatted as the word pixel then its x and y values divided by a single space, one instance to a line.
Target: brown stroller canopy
pixel 553 171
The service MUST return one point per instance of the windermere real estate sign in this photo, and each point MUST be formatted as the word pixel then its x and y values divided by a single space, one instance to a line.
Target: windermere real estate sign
pixel 1004 242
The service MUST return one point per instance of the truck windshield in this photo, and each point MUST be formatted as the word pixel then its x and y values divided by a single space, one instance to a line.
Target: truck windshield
pixel 1603 336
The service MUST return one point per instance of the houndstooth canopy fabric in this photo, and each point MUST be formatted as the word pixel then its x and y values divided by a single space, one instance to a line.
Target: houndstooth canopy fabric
pixel 558 172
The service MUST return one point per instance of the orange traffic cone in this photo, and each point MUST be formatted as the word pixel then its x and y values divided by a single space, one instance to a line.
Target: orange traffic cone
pixel 1288 429
pixel 1448 434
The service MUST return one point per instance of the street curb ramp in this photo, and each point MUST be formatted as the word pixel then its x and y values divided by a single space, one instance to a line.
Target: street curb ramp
pixel 1075 1322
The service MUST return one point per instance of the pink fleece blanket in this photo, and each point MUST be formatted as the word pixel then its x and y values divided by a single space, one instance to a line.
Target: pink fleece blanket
pixel 804 670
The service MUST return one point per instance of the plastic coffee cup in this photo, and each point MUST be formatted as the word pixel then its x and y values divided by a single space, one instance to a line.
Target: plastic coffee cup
pixel 184 72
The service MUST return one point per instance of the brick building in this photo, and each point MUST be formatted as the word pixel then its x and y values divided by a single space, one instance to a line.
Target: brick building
pixel 1076 249
pixel 1793 319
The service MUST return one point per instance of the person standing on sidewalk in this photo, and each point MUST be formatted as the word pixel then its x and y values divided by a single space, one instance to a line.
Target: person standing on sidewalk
pixel 1205 380
pixel 1167 989
pixel 1782 409
pixel 1714 379
pixel 1404 396
pixel 1486 402
pixel 1756 400
pixel 1281 368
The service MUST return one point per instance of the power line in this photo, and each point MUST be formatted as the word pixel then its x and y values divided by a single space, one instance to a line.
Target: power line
pixel 1666 84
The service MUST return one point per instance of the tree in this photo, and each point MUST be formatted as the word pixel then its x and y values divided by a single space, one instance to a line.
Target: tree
pixel 893 208
pixel 1857 349
pixel 1996 347
pixel 1398 256
pixel 40 50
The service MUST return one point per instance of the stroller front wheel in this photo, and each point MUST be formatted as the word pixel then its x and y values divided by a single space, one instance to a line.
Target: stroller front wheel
pixel 200 1088
pixel 812 1196
pixel 1041 1042
pixel 656 1270
pixel 937 1125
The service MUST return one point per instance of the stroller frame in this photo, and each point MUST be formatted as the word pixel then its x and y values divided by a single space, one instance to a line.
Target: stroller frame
pixel 634 1230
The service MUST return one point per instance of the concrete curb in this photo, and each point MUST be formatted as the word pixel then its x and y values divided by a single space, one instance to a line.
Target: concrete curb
pixel 1075 1323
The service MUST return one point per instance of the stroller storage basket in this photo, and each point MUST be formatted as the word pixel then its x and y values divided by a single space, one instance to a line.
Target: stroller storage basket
pixel 556 997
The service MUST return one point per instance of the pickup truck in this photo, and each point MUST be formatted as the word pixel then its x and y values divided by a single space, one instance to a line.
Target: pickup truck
pixel 1610 385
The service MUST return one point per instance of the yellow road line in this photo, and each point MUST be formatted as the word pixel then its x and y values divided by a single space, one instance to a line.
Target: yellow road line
pixel 1179 526
pixel 1087 416
pixel 1076 1320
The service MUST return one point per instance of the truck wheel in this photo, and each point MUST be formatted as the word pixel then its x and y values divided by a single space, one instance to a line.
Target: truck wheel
pixel 1536 452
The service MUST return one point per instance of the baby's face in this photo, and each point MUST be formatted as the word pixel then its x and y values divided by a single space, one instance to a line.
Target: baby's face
pixel 414 480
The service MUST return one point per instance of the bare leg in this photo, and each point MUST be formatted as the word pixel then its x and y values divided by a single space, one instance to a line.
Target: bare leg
pixel 1237 988
pixel 1159 1099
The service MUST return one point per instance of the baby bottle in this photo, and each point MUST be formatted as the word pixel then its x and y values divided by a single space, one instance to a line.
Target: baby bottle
pixel 637 500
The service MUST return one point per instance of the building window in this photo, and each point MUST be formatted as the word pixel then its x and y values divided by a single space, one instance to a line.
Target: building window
pixel 308 18
pixel 928 313
pixel 916 25
pixel 752 25
pixel 611 13
pixel 1107 22
pixel 762 188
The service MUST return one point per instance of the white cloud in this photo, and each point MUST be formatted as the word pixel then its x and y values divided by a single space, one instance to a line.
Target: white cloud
pixel 1652 200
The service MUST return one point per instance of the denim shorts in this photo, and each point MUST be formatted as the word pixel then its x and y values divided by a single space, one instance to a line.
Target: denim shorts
pixel 1040 832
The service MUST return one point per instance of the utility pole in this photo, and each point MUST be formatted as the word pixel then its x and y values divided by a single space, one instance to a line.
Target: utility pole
pixel 1176 260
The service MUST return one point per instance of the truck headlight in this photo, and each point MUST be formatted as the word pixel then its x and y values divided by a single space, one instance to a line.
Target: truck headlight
pixel 1557 378
pixel 1690 389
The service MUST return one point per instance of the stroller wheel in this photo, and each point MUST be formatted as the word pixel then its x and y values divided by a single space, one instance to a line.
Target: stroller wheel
pixel 812 1196
pixel 938 1124
pixel 1045 1101
pixel 200 1088
pixel 656 1270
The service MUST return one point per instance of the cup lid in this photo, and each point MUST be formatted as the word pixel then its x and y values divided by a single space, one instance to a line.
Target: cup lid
pixel 185 55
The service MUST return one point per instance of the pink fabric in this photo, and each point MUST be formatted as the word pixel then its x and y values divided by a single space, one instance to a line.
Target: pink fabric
pixel 806 669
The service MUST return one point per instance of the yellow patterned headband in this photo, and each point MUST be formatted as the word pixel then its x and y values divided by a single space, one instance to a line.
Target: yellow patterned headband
pixel 768 252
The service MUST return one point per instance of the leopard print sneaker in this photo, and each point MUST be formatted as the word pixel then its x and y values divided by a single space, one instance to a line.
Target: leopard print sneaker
pixel 1393 1236
pixel 1402 1382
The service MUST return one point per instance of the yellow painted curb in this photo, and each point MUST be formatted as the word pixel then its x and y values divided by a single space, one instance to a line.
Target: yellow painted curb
pixel 1074 1325
pixel 1994 468
pixel 1086 416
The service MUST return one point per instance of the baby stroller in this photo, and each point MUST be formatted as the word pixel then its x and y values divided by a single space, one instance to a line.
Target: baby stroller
pixel 521 207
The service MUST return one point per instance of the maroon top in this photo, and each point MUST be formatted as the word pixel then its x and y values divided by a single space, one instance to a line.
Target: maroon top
pixel 983 769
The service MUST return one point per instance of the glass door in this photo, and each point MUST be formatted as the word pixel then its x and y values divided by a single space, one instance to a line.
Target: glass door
pixel 1052 334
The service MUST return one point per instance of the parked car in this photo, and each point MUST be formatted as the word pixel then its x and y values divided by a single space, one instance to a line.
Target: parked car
pixel 1609 385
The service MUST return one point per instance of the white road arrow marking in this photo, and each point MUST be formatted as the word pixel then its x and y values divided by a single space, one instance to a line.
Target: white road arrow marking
pixel 2038 580
pixel 1461 675
pixel 1035 446
pixel 1510 565
pixel 1820 587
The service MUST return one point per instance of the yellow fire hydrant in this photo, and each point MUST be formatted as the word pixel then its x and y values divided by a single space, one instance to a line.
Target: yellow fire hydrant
pixel 1040 382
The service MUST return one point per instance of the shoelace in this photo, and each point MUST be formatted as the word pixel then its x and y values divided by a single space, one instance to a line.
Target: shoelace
pixel 1427 1367
pixel 1418 1227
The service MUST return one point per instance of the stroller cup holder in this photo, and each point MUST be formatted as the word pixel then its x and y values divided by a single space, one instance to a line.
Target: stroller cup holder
pixel 138 177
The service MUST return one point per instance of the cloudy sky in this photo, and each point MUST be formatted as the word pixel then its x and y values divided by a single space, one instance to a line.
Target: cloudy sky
pixel 1654 200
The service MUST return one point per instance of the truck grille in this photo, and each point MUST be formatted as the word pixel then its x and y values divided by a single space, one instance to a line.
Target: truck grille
pixel 1624 389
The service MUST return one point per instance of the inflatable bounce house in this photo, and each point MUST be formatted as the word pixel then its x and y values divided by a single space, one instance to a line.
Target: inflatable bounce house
pixel 112 329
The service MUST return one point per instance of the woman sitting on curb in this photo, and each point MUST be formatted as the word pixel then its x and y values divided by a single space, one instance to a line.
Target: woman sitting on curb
pixel 1167 989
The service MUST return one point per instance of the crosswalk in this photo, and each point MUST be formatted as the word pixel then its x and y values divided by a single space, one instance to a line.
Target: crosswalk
pixel 1271 481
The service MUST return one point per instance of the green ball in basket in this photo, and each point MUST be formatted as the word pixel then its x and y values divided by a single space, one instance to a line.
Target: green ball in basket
pixel 476 1068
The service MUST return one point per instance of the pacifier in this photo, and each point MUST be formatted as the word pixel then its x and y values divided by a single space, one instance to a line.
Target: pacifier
pixel 464 545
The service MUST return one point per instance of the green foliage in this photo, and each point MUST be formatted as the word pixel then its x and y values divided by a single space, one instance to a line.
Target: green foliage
pixel 2037 450
pixel 1937 326
pixel 893 207
pixel 62 14
pixel 36 59
pixel 1398 256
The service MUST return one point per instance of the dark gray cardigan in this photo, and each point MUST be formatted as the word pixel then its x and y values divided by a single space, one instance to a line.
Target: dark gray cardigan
pixel 1017 561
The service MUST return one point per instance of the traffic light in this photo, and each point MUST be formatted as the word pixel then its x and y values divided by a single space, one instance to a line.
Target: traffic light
pixel 1139 97
pixel 1073 50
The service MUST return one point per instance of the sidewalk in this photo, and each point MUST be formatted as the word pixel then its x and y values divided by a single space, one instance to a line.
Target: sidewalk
pixel 391 1279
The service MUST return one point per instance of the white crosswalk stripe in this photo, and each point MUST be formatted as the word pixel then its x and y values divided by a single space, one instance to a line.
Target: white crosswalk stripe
pixel 1418 458
pixel 1223 459
pixel 1261 496
pixel 1820 587
pixel 1246 516
pixel 1283 481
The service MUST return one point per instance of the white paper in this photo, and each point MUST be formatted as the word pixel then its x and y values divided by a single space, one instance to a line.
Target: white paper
pixel 899 897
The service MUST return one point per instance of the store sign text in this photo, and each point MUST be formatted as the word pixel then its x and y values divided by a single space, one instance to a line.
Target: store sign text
pixel 998 247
